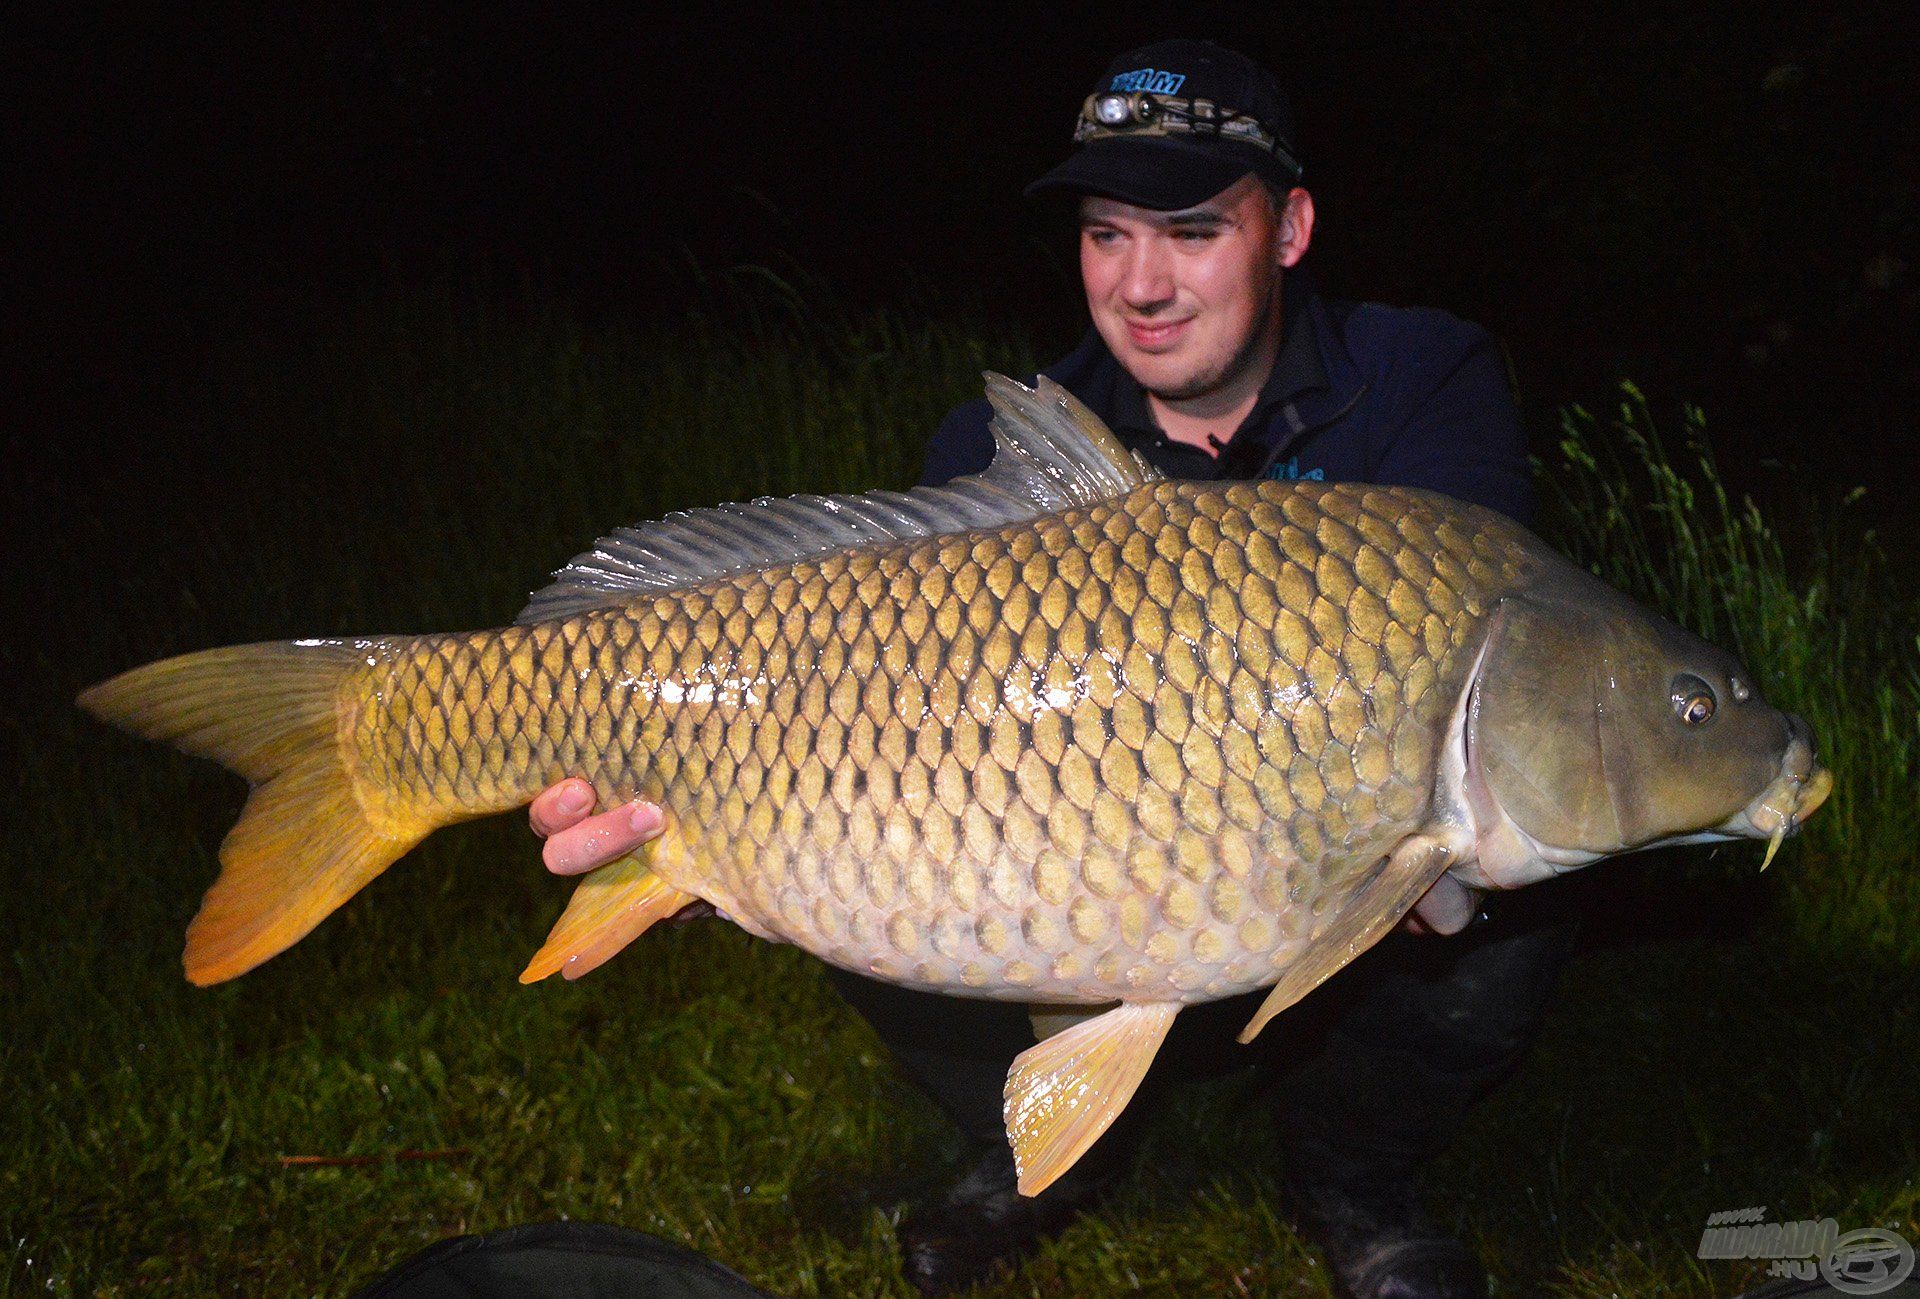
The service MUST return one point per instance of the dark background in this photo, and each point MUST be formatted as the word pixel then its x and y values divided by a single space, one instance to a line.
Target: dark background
pixel 1718 202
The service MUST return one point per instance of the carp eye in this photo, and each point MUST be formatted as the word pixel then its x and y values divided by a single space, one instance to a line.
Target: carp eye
pixel 1693 700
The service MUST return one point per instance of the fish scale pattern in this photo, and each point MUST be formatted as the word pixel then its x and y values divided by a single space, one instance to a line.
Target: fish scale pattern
pixel 1143 749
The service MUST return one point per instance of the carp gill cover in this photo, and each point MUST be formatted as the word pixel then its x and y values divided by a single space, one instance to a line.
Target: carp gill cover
pixel 1063 733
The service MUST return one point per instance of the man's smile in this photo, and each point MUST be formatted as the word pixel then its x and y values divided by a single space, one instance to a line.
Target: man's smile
pixel 1157 335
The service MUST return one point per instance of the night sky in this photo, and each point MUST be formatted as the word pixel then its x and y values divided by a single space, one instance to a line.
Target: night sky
pixel 1718 203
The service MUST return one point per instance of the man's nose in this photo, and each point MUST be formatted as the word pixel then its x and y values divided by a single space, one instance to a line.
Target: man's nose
pixel 1148 282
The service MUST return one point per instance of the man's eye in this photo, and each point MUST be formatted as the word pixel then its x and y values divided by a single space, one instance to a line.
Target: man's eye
pixel 1195 236
pixel 1100 236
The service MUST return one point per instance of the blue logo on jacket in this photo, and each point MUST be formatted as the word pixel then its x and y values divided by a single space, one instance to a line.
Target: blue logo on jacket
pixel 1288 470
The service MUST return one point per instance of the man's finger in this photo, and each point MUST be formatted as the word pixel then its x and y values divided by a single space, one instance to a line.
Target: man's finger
pixel 601 839
pixel 560 806
pixel 1446 908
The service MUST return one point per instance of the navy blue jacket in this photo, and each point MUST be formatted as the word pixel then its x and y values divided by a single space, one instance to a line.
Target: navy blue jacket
pixel 1360 392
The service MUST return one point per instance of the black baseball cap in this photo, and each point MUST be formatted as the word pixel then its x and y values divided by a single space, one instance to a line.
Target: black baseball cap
pixel 1167 172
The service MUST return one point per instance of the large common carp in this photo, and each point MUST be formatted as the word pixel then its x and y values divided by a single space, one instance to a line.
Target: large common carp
pixel 1064 733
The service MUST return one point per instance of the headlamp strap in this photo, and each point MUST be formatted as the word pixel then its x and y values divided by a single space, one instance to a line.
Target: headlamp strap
pixel 1140 112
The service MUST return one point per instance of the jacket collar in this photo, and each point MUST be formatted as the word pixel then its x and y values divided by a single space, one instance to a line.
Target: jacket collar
pixel 1340 383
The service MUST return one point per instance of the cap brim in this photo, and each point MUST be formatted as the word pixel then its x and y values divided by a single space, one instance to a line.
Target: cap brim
pixel 1161 174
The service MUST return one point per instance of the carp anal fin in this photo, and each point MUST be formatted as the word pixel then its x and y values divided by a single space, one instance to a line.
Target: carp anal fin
pixel 1410 870
pixel 1064 1092
pixel 1050 453
pixel 610 908
pixel 1049 1018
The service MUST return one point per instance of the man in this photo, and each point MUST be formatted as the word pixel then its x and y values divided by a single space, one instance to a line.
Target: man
pixel 1212 354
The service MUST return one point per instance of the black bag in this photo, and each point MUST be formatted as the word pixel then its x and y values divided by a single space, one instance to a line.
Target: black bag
pixel 560 1260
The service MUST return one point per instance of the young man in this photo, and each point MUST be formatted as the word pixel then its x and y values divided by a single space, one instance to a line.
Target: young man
pixel 1212 354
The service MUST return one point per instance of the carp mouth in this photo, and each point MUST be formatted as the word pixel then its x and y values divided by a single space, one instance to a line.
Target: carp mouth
pixel 1785 804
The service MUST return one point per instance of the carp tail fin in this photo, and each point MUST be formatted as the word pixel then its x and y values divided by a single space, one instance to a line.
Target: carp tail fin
pixel 306 841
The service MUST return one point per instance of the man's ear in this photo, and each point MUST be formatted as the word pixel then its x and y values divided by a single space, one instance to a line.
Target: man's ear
pixel 1296 226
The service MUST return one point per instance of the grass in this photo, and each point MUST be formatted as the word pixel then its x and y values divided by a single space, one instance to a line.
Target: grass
pixel 1725 1040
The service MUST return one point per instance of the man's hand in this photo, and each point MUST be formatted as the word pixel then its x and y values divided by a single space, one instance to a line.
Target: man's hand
pixel 577 840
pixel 1446 908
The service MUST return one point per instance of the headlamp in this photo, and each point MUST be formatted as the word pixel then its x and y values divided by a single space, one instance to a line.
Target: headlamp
pixel 1143 113
pixel 1117 110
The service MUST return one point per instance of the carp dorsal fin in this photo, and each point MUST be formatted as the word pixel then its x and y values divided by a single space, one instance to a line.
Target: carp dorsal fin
pixel 1050 453
pixel 1050 448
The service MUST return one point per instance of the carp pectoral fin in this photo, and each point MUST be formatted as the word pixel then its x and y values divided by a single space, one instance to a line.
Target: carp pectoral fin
pixel 1409 871
pixel 1064 1092
pixel 612 906
pixel 1052 1018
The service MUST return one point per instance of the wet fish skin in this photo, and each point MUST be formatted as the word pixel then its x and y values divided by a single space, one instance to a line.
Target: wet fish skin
pixel 1146 748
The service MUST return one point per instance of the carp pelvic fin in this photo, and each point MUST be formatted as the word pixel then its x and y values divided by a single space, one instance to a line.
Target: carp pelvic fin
pixel 1064 1092
pixel 1051 453
pixel 611 907
pixel 305 842
pixel 1405 876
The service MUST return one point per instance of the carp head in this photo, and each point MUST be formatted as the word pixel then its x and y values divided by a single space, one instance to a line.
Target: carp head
pixel 1593 726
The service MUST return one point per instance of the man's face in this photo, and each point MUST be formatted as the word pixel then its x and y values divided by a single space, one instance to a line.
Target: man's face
pixel 1185 299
